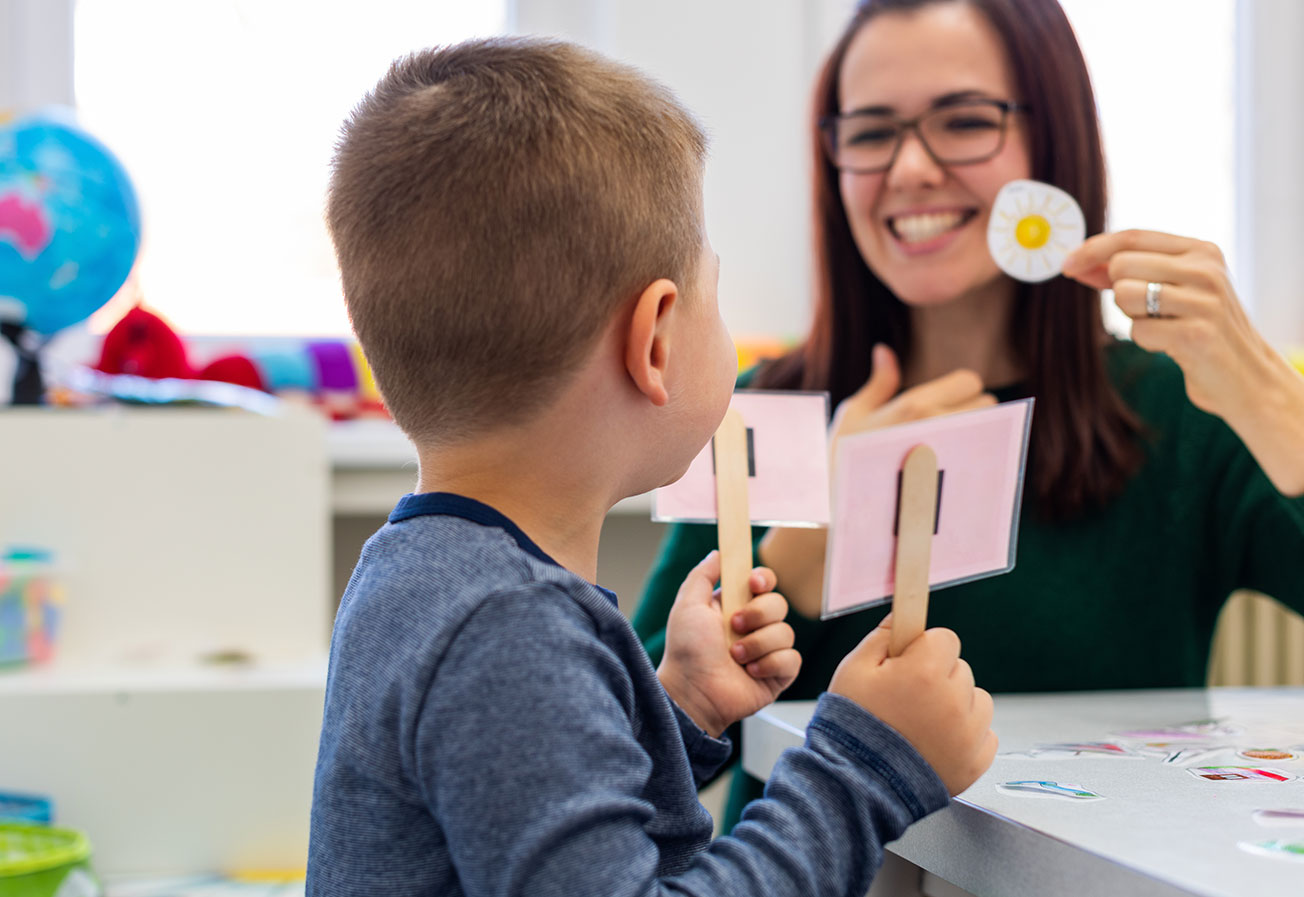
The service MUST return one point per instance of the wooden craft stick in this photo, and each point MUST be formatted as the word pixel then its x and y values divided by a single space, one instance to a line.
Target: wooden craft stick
pixel 734 524
pixel 913 548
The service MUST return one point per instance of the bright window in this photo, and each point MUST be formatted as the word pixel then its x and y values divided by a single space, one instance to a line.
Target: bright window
pixel 225 112
pixel 1165 80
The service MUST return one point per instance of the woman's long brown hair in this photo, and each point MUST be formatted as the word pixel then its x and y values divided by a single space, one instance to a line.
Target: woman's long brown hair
pixel 1084 437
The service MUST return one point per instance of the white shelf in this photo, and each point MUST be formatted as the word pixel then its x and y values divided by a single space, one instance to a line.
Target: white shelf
pixel 94 680
pixel 170 770
pixel 369 444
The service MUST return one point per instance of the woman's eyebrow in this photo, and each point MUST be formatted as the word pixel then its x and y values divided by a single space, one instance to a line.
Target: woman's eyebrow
pixel 946 99
pixel 960 96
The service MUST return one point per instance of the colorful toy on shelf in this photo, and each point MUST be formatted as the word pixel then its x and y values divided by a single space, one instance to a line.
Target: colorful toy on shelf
pixel 38 861
pixel 142 344
pixel 69 235
pixel 754 348
pixel 29 808
pixel 31 601
pixel 331 373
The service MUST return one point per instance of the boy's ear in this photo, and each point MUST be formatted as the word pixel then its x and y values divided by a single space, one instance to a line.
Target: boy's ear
pixel 647 341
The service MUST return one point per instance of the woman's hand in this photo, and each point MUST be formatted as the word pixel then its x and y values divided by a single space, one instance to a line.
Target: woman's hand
pixel 797 554
pixel 1229 369
pixel 876 404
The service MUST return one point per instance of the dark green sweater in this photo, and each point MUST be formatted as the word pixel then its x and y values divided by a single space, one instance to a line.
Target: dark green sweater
pixel 1126 597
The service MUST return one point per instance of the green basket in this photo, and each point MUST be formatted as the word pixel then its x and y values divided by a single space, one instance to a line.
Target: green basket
pixel 37 861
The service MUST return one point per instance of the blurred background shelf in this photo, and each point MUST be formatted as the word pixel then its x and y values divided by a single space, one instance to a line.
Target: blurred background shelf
pixel 174 769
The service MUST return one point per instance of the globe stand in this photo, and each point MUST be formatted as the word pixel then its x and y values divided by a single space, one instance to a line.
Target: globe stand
pixel 29 389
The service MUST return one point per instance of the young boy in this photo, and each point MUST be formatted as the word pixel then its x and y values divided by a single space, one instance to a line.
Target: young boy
pixel 519 227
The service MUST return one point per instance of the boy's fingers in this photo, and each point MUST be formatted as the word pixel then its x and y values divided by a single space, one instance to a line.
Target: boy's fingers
pixel 963 674
pixel 774 637
pixel 780 665
pixel 703 577
pixel 984 707
pixel 762 610
pixel 873 647
pixel 987 753
pixel 939 648
pixel 762 580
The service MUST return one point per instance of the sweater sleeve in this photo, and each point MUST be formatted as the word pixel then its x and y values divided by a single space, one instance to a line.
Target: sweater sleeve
pixel 888 785
pixel 527 756
pixel 1259 530
pixel 705 754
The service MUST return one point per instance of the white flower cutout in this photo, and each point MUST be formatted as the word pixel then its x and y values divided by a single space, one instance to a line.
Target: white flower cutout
pixel 1032 230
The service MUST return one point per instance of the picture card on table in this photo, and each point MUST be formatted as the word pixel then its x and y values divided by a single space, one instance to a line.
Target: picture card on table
pixel 981 459
pixel 788 464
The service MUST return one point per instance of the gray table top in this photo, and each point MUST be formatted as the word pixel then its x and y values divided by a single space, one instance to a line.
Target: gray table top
pixel 1160 827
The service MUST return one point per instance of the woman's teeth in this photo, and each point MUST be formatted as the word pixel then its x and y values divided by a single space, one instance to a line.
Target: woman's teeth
pixel 918 228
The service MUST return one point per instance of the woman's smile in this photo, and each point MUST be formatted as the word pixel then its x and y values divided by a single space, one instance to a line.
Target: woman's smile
pixel 925 231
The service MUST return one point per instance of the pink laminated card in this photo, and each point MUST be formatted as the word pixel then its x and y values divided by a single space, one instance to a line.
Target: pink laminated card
pixel 980 461
pixel 788 465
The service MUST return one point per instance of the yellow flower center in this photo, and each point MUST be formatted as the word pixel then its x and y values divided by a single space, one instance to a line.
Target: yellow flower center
pixel 1032 231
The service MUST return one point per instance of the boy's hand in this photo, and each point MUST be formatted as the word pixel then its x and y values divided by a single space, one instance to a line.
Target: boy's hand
pixel 928 695
pixel 712 683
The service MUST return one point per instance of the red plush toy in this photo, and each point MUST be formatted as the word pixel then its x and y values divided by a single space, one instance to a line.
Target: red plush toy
pixel 142 344
pixel 145 345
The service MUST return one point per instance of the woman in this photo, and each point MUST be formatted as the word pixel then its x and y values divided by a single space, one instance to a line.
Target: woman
pixel 1157 485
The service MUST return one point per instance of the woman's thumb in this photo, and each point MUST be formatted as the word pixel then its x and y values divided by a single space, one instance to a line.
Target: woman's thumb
pixel 885 379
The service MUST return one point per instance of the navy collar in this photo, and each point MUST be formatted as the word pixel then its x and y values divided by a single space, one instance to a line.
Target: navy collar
pixel 451 505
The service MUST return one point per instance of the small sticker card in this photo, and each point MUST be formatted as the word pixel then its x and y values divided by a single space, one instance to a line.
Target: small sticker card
pixel 787 465
pixel 1177 754
pixel 1269 754
pixel 1043 788
pixel 1280 818
pixel 1071 750
pixel 1240 774
pixel 981 457
pixel 1197 730
pixel 1278 849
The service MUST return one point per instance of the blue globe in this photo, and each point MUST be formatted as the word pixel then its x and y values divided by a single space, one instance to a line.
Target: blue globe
pixel 69 223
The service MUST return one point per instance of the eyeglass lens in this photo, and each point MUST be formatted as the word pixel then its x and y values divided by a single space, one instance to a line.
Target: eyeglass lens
pixel 965 132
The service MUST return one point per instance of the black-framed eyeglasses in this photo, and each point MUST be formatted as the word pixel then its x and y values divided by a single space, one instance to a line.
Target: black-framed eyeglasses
pixel 958 133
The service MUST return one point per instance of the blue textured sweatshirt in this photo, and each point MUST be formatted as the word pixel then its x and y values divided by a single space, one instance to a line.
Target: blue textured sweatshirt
pixel 493 726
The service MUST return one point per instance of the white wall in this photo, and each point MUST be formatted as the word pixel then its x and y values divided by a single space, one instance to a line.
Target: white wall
pixel 1270 165
pixel 35 54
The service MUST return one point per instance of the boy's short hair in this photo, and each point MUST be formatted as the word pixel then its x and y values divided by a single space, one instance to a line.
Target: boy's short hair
pixel 492 205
